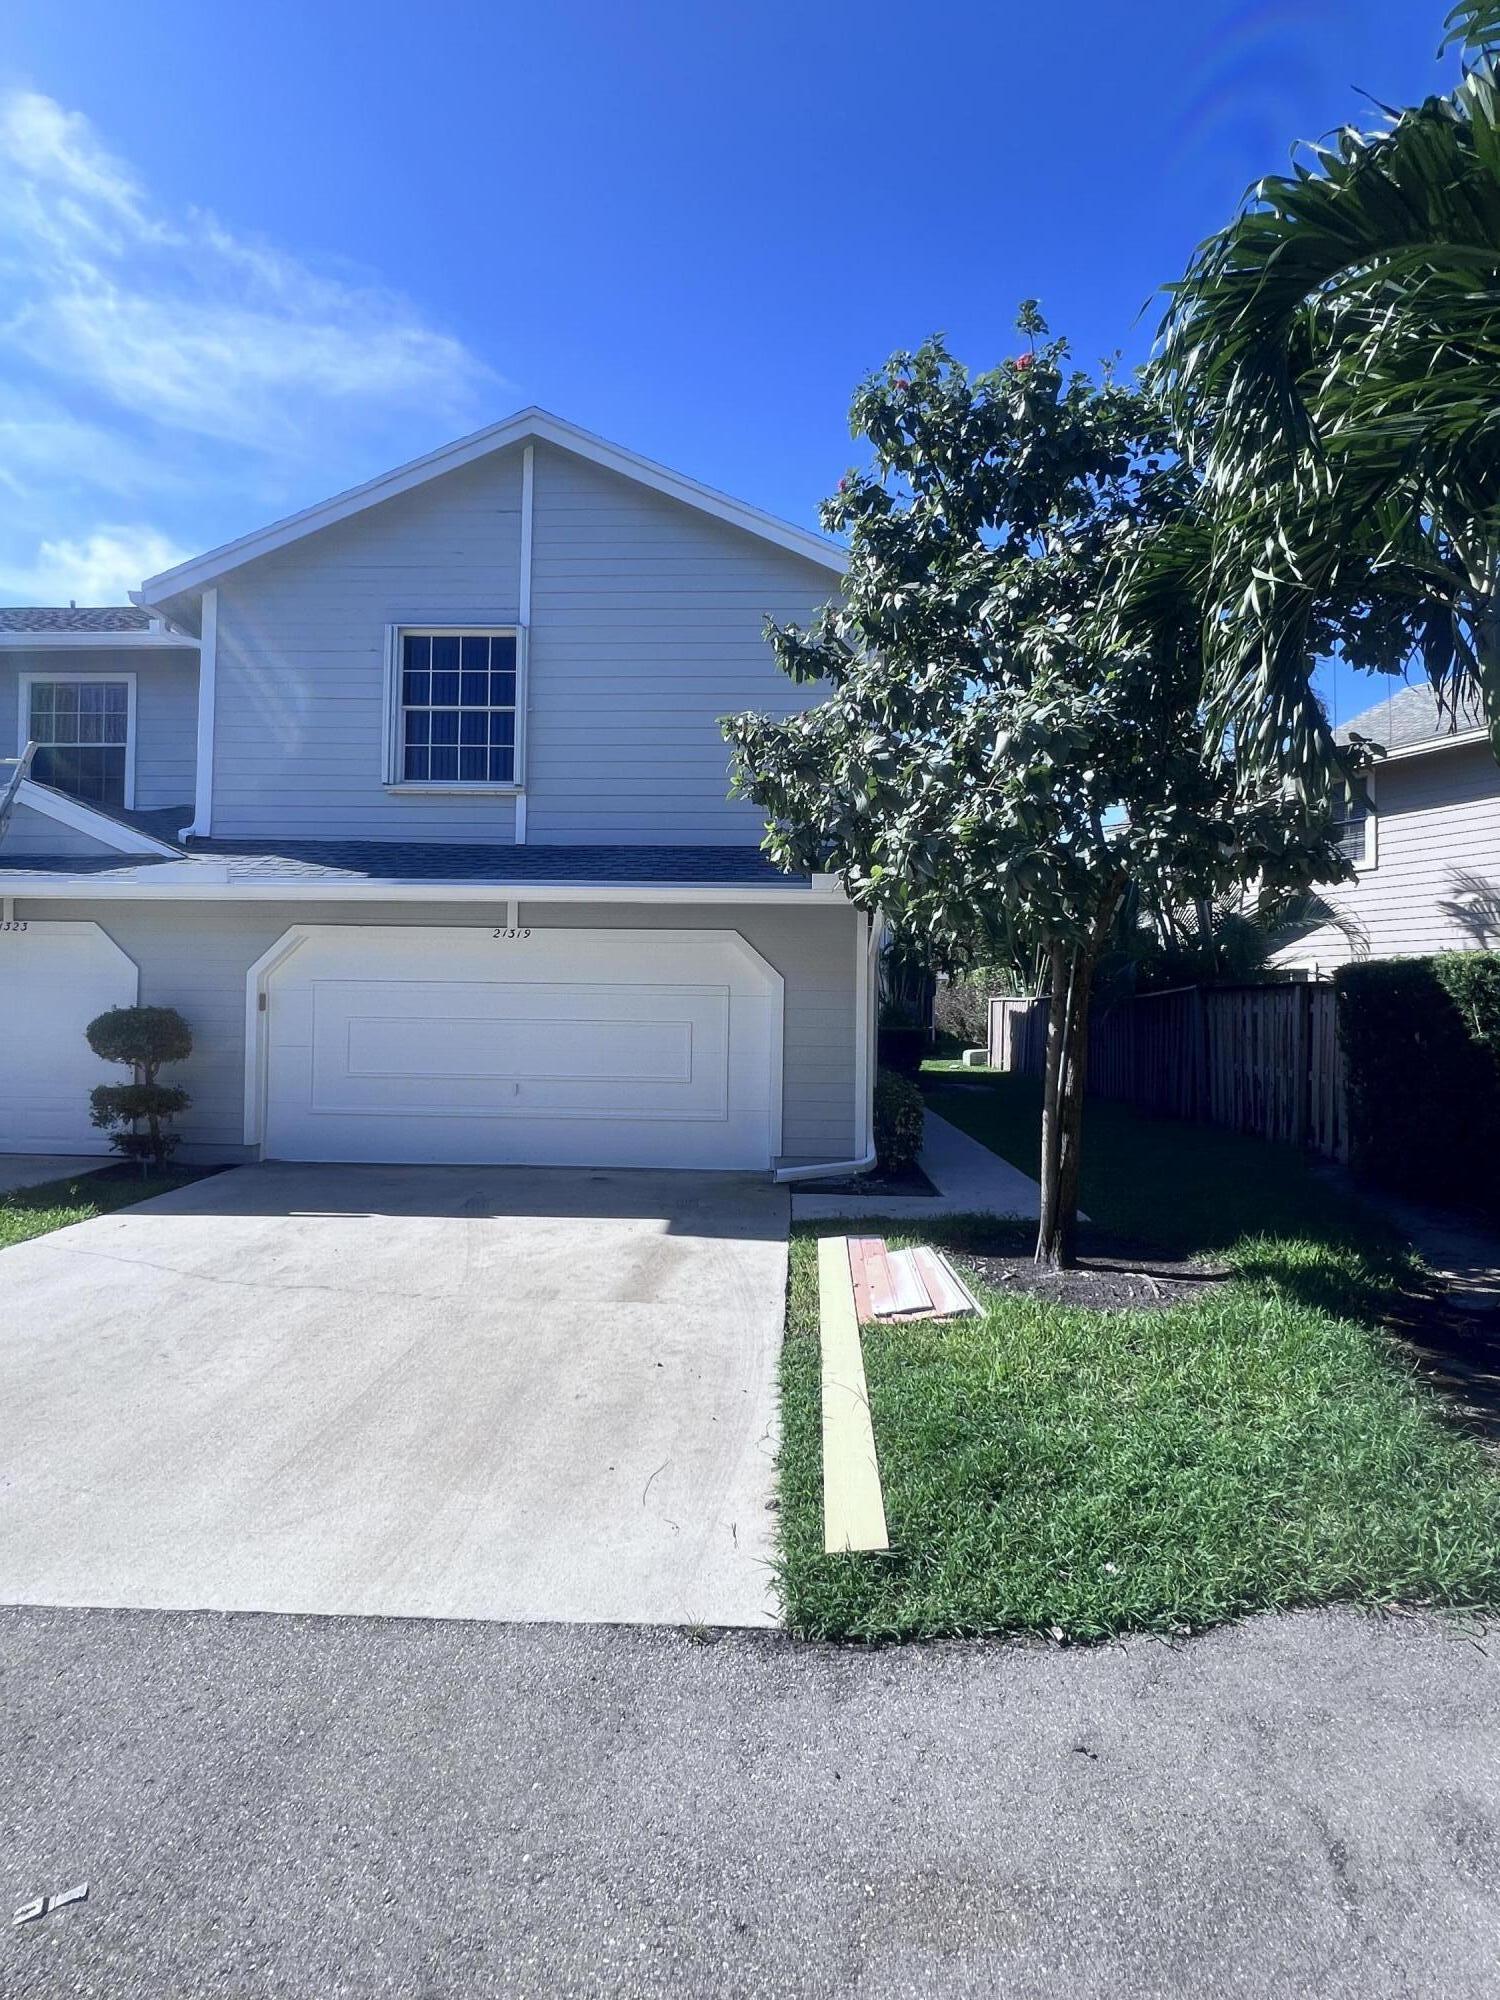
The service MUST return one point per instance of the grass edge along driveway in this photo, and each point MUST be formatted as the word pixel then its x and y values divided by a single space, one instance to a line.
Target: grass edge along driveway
pixel 1080 1474
pixel 35 1211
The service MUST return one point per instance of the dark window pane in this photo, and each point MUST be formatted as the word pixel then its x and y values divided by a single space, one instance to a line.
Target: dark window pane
pixel 473 726
pixel 471 765
pixel 444 689
pixel 416 726
pixel 474 690
pixel 416 761
pixel 502 729
pixel 445 725
pixel 476 654
pixel 416 690
pixel 503 653
pixel 501 766
pixel 445 654
pixel 90 727
pixel 416 652
pixel 444 766
pixel 91 698
pixel 97 775
pixel 502 690
pixel 116 698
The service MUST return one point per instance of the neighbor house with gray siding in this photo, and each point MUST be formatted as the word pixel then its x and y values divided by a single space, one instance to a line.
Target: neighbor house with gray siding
pixel 415 805
pixel 1424 841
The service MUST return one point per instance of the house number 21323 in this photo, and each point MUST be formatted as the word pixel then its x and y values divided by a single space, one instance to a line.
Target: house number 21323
pixel 521 931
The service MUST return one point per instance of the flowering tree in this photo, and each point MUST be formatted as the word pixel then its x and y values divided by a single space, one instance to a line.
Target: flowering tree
pixel 993 763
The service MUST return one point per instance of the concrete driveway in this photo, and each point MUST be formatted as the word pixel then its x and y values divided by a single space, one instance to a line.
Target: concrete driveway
pixel 433 1391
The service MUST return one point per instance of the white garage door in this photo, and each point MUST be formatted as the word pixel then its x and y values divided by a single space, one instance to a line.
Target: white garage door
pixel 54 978
pixel 534 1048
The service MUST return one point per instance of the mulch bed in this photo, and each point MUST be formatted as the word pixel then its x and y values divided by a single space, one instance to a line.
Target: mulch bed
pixel 1110 1276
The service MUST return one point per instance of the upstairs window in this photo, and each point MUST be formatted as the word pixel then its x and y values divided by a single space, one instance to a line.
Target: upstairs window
pixel 456 707
pixel 1354 821
pixel 82 729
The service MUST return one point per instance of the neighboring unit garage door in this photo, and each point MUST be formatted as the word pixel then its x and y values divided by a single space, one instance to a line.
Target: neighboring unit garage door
pixel 534 1048
pixel 54 978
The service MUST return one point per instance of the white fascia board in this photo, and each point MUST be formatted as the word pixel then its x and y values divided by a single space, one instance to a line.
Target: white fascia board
pixel 95 642
pixel 100 826
pixel 1460 739
pixel 183 883
pixel 526 424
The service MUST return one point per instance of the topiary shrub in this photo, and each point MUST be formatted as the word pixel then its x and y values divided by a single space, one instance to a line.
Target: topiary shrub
pixel 899 1113
pixel 143 1038
pixel 1421 1040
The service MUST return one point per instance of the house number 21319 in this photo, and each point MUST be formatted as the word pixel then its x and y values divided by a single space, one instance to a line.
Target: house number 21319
pixel 522 931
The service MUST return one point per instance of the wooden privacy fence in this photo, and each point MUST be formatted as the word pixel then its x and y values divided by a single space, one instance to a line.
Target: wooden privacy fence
pixel 1259 1059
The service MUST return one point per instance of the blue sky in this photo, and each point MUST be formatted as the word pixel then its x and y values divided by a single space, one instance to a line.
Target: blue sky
pixel 252 254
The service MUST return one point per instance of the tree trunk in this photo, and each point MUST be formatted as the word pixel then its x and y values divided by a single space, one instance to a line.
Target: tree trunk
pixel 1067 1072
pixel 1059 978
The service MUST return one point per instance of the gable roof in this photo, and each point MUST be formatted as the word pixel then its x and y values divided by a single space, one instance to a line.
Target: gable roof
pixel 1409 719
pixel 526 426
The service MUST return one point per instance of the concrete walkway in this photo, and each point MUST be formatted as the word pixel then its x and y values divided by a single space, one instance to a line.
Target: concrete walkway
pixel 24 1170
pixel 970 1179
pixel 432 1391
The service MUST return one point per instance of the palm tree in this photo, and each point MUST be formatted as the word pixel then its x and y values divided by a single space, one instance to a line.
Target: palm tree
pixel 1334 353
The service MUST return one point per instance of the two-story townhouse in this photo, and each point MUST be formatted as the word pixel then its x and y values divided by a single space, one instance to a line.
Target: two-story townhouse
pixel 415 805
pixel 1424 839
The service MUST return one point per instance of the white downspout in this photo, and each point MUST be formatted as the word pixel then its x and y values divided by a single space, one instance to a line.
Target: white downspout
pixel 528 506
pixel 208 661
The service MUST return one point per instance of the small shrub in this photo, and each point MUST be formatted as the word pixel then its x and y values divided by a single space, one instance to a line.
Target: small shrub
pixel 899 1113
pixel 142 1038
pixel 900 1046
pixel 1421 1038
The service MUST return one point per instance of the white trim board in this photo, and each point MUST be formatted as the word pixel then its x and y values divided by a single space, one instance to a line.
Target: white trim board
pixel 82 818
pixel 192 880
pixel 527 425
pixel 94 642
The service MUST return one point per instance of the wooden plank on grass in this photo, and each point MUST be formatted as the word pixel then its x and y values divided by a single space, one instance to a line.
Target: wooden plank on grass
pixel 944 1287
pixel 853 1510
pixel 908 1293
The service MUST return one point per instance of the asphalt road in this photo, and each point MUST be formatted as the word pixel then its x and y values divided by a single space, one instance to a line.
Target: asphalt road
pixel 287 1805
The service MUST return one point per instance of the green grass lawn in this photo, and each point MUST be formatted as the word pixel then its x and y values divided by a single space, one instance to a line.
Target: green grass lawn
pixel 1078 1473
pixel 33 1211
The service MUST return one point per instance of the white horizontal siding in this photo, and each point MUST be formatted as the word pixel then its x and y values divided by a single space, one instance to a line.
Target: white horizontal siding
pixel 647 626
pixel 195 957
pixel 166 715
pixel 1436 883
pixel 300 706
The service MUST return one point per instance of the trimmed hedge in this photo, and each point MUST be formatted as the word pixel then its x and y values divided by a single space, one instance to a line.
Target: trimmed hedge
pixel 899 1112
pixel 1421 1039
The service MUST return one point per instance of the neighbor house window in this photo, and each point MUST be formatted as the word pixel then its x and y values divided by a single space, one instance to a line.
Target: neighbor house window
pixel 1354 822
pixel 81 728
pixel 456 708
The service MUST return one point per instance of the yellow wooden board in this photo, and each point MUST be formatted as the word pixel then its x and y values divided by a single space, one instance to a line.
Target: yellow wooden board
pixel 853 1510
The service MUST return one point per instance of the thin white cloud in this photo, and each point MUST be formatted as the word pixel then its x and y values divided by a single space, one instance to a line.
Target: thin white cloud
pixel 103 568
pixel 158 366
pixel 178 319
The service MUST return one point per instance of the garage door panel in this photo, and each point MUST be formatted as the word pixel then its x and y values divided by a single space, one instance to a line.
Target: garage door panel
pixel 620 1063
pixel 54 979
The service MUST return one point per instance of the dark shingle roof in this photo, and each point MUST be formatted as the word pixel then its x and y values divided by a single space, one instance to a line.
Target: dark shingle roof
pixel 268 863
pixel 1410 715
pixel 73 618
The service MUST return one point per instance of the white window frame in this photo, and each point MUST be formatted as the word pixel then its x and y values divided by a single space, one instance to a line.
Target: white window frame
pixel 393 747
pixel 24 684
pixel 1363 863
